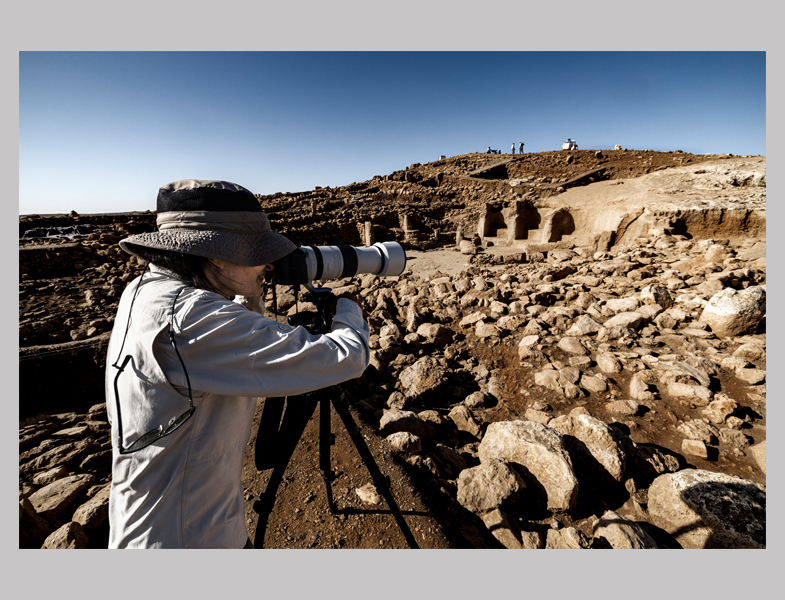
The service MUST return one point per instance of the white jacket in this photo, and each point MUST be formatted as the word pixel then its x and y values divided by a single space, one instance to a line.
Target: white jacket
pixel 184 490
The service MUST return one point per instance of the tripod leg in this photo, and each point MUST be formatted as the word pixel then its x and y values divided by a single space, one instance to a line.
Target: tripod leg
pixel 299 411
pixel 324 449
pixel 376 475
pixel 267 434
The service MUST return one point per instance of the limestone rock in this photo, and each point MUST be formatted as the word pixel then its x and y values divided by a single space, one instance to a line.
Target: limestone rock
pixel 593 384
pixel 32 527
pixel 656 294
pixel 472 319
pixel 758 452
pixel 548 378
pixel 572 345
pixel 695 448
pixel 596 439
pixel 719 410
pixel 368 494
pixel 735 312
pixel 628 320
pixel 532 540
pixel 750 352
pixel 69 536
pixel 478 400
pixel 504 528
pixel 568 538
pixel 540 451
pixel 464 420
pixel 703 509
pixel 47 477
pixel 621 305
pixel 608 363
pixel 405 442
pixel 451 460
pixel 653 461
pixel 583 325
pixel 485 330
pixel 423 376
pixel 52 501
pixel 394 421
pixel 95 511
pixel 433 333
pixel 751 376
pixel 697 394
pixel 61 455
pixel 623 408
pixel 639 389
pixel 698 429
pixel 490 485
pixel 622 533
pixel 537 416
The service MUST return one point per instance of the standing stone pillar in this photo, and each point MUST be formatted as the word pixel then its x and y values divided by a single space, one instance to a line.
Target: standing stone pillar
pixel 406 223
pixel 369 239
pixel 313 207
pixel 458 238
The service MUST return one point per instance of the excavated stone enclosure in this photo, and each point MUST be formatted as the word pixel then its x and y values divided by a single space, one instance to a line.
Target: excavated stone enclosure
pixel 725 199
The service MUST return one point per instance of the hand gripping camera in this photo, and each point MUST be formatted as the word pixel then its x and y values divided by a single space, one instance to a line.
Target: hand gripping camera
pixel 318 263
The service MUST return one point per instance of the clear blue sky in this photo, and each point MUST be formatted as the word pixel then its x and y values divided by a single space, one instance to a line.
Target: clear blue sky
pixel 102 131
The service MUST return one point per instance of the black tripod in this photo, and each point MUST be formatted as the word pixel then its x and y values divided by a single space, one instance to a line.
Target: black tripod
pixel 276 438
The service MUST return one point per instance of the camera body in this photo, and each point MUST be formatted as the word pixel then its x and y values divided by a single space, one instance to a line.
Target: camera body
pixel 319 263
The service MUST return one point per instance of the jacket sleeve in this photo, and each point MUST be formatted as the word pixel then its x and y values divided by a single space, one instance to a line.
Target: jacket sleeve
pixel 232 351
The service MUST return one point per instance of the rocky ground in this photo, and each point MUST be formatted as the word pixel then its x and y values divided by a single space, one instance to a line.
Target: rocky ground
pixel 565 394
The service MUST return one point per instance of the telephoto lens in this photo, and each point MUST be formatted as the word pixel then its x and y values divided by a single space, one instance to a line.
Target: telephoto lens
pixel 320 263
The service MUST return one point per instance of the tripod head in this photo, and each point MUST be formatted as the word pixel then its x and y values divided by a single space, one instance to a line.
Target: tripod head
pixel 318 321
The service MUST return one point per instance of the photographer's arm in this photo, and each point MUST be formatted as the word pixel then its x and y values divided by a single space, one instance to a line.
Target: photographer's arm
pixel 229 350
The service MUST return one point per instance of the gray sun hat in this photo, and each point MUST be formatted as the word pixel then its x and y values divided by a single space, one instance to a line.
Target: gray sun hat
pixel 214 219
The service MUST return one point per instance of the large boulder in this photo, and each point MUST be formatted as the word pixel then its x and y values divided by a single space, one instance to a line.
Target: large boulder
pixel 489 486
pixel 733 312
pixel 542 454
pixel 592 442
pixel 703 509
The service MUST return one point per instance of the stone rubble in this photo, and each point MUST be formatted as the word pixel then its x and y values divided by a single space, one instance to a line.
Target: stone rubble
pixel 527 387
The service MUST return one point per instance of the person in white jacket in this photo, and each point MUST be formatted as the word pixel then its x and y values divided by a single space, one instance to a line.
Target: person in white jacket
pixel 188 358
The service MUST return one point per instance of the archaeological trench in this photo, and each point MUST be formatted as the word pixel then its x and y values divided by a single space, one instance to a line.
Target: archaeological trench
pixel 583 367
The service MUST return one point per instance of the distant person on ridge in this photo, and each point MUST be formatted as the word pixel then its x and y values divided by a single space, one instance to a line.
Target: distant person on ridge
pixel 520 148
pixel 513 149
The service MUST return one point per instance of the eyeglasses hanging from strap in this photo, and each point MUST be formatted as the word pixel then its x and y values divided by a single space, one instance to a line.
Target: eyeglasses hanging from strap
pixel 175 422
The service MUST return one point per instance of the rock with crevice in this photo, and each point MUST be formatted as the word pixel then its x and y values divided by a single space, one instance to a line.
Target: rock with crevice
pixel 704 509
pixel 622 533
pixel 540 451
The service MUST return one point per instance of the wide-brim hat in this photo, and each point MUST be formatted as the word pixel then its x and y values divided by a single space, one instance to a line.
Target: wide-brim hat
pixel 214 219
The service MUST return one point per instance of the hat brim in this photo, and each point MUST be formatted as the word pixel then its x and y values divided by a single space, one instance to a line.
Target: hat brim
pixel 249 249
